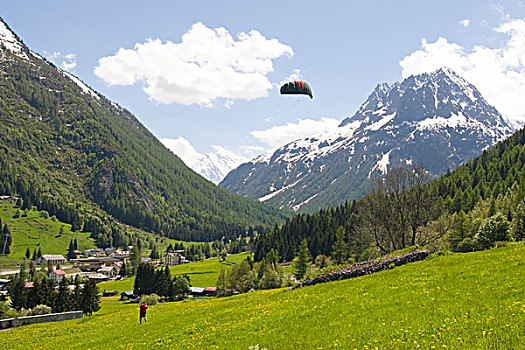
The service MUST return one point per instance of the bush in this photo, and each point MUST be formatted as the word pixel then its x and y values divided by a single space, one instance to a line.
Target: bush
pixel 40 310
pixel 44 214
pixel 467 245
pixel 493 229
pixel 152 299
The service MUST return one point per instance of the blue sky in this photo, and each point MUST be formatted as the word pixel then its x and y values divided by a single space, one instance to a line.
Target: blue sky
pixel 342 48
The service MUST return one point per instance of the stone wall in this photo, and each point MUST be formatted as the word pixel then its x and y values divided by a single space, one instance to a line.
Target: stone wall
pixel 365 268
pixel 22 321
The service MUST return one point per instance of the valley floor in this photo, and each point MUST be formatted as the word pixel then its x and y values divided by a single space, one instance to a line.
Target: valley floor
pixel 458 301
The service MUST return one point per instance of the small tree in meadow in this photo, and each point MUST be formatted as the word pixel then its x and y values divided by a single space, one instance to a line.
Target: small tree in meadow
pixel 493 229
pixel 302 260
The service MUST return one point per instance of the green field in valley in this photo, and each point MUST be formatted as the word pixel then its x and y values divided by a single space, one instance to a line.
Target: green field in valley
pixel 35 232
pixel 458 301
pixel 202 273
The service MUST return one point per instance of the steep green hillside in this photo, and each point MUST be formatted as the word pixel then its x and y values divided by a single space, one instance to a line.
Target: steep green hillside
pixel 459 301
pixel 70 151
pixel 36 232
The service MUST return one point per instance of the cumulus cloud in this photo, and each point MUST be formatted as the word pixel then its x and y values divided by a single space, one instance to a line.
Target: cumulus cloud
pixel 66 62
pixel 498 73
pixel 279 135
pixel 208 66
pixel 182 148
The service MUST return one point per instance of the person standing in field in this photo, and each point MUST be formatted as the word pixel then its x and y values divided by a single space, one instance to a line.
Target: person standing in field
pixel 143 308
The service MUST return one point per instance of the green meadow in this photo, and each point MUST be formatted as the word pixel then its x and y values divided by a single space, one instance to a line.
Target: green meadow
pixel 202 273
pixel 458 301
pixel 34 232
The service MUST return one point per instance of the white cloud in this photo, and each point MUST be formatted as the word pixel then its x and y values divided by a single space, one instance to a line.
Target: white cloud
pixel 207 66
pixel 294 75
pixel 182 148
pixel 465 22
pixel 279 135
pixel 66 62
pixel 498 73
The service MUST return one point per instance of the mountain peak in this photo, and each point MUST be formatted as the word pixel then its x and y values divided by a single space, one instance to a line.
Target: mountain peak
pixel 10 41
pixel 436 119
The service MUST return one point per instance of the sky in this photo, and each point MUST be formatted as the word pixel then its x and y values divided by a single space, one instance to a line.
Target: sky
pixel 204 76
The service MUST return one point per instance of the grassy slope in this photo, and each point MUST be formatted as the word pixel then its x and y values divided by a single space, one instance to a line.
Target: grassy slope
pixel 34 231
pixel 461 301
pixel 202 273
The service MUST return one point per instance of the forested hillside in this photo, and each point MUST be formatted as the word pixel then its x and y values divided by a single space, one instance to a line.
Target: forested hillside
pixel 67 150
pixel 469 208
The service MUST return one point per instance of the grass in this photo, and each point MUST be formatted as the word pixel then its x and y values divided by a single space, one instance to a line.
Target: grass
pixel 202 273
pixel 35 232
pixel 458 301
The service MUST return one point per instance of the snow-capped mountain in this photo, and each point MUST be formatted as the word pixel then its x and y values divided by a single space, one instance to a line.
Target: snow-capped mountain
pixel 435 119
pixel 213 165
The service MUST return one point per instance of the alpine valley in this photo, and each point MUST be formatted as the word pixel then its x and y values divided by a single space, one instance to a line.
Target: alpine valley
pixel 70 151
pixel 437 120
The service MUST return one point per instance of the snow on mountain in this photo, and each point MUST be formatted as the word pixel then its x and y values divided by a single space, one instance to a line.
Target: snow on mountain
pixel 437 119
pixel 212 165
pixel 9 40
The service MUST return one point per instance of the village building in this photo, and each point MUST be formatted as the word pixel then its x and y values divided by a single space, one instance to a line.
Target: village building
pixel 210 291
pixel 51 259
pixel 109 271
pixel 94 252
pixel 197 291
pixel 57 275
pixel 127 295
pixel 173 259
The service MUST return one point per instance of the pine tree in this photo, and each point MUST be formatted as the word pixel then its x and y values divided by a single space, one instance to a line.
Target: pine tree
pixel 302 260
pixel 75 247
pixel 76 297
pixel 71 251
pixel 18 292
pixel 28 253
pixel 340 247
pixel 63 299
pixel 90 297
pixel 518 223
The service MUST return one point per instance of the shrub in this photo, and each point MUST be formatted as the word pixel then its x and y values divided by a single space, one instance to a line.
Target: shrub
pixel 152 299
pixel 322 261
pixel 44 214
pixel 492 229
pixel 40 310
pixel 467 245
pixel 270 279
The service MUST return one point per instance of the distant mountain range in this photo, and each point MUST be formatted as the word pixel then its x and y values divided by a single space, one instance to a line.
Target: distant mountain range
pixel 68 150
pixel 436 119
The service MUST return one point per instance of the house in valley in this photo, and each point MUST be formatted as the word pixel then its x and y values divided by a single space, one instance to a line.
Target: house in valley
pixel 51 259
pixel 172 259
pixel 57 275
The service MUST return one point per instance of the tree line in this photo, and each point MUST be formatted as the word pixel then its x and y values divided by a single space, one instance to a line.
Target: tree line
pixel 149 280
pixel 83 296
pixel 470 208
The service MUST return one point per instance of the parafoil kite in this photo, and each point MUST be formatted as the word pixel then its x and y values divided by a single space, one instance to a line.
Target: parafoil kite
pixel 298 87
